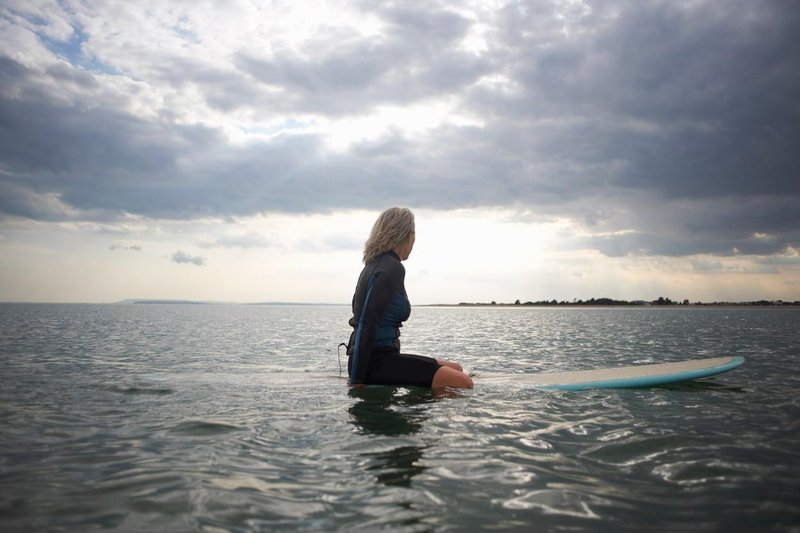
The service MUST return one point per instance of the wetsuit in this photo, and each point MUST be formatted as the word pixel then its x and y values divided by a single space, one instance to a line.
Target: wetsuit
pixel 380 306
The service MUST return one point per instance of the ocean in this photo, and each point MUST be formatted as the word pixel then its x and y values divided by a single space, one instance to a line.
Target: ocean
pixel 235 418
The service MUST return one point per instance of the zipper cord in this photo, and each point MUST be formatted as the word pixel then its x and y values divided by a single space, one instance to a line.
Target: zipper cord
pixel 339 356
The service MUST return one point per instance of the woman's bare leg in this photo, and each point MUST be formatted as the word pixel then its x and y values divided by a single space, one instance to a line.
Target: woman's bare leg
pixel 447 376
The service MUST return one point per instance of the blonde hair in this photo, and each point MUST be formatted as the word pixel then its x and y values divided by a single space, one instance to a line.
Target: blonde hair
pixel 392 228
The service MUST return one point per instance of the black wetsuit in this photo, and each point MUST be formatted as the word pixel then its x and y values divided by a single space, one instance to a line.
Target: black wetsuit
pixel 380 306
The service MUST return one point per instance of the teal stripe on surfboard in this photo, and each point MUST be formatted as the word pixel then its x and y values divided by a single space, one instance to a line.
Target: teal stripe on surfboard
pixel 620 377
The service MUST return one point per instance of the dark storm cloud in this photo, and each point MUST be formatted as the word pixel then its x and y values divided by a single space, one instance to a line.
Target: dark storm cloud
pixel 676 122
pixel 734 225
pixel 93 159
pixel 695 99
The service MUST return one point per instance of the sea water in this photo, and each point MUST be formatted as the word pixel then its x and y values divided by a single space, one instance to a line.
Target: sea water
pixel 234 418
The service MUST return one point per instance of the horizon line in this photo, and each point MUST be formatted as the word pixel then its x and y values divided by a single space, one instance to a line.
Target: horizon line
pixel 596 302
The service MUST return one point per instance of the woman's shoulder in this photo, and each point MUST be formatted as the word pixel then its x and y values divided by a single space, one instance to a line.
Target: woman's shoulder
pixel 389 262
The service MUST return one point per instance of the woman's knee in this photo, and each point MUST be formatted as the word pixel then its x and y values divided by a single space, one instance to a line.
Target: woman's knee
pixel 449 377
pixel 451 364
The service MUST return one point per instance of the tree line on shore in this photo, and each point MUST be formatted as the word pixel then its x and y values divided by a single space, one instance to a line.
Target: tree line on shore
pixel 660 301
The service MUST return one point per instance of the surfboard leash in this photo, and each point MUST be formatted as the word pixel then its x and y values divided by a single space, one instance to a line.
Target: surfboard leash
pixel 339 356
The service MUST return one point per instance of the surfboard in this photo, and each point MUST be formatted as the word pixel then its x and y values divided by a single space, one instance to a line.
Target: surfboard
pixel 620 377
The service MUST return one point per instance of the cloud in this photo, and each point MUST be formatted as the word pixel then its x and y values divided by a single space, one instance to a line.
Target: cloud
pixel 417 56
pixel 663 128
pixel 788 257
pixel 184 258
pixel 239 240
pixel 707 264
pixel 733 225
pixel 133 248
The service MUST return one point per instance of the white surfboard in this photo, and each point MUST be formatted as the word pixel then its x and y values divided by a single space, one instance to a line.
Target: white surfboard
pixel 620 377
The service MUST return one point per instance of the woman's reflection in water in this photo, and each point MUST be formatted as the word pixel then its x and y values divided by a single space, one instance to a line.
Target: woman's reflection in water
pixel 388 411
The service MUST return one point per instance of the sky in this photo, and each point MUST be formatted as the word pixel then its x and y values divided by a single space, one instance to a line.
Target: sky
pixel 240 150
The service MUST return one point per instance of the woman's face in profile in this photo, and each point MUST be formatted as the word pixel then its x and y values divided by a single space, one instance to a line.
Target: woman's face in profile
pixel 408 246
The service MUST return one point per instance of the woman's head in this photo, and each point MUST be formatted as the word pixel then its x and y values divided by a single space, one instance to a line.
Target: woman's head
pixel 394 230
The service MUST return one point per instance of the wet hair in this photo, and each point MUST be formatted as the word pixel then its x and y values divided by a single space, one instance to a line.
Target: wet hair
pixel 392 228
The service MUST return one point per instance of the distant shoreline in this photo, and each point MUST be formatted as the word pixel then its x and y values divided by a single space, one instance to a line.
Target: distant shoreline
pixel 140 301
pixel 590 303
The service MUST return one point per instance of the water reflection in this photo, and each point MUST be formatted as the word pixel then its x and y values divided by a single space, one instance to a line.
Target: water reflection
pixel 393 414
pixel 699 386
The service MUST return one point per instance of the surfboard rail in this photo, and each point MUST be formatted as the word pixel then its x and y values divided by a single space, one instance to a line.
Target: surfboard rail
pixel 634 376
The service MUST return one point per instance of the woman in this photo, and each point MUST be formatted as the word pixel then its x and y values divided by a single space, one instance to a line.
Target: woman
pixel 380 306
